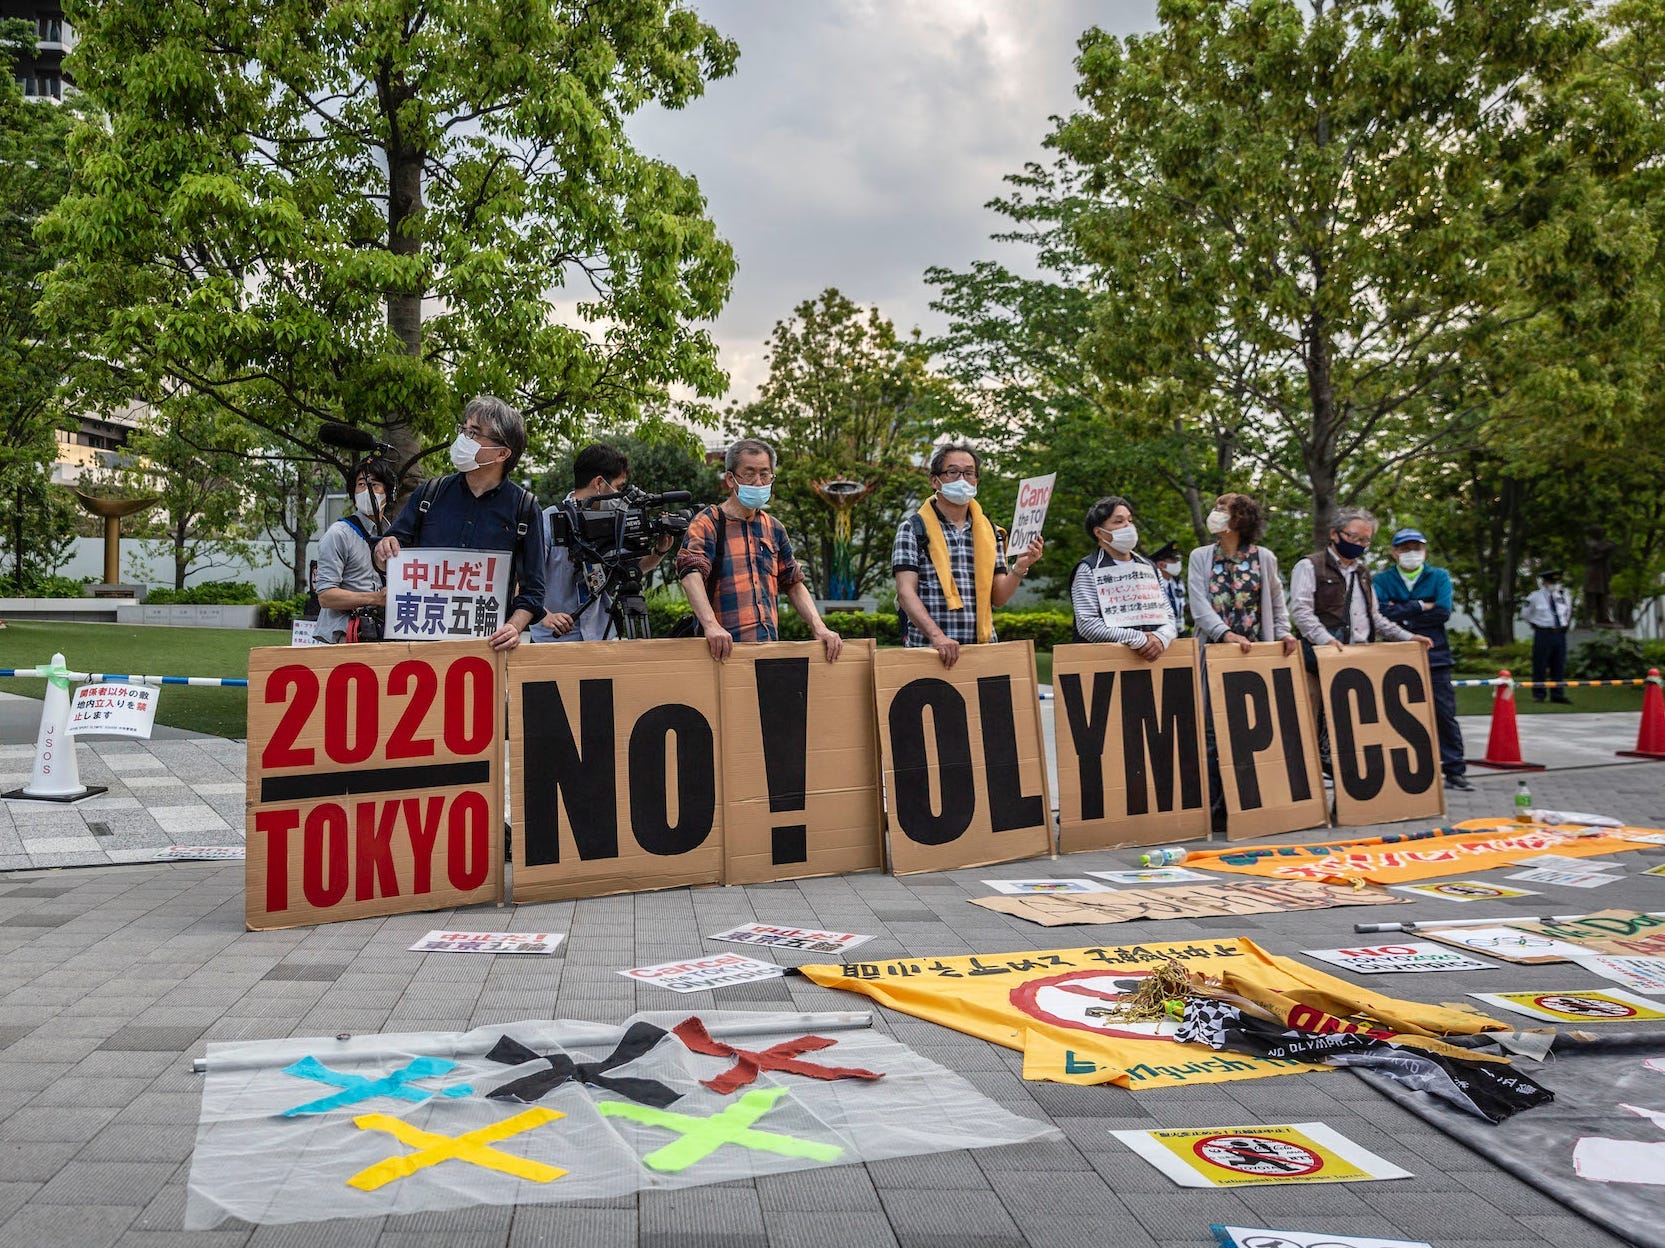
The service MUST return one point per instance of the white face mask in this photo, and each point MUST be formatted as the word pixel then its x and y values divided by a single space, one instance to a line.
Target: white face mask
pixel 1218 521
pixel 959 492
pixel 369 503
pixel 1171 568
pixel 465 453
pixel 1412 560
pixel 1124 539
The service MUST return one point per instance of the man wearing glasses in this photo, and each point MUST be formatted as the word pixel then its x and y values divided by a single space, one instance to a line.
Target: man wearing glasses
pixel 736 561
pixel 950 562
pixel 479 508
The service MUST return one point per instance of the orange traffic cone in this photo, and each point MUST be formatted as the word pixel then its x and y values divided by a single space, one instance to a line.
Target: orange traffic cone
pixel 1650 737
pixel 1503 746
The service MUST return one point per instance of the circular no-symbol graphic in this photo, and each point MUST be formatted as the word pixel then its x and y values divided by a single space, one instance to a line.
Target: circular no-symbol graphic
pixel 1585 1007
pixel 1086 1001
pixel 1471 890
pixel 1258 1154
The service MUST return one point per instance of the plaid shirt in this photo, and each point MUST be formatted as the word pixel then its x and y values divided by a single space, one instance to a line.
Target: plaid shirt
pixel 757 568
pixel 910 554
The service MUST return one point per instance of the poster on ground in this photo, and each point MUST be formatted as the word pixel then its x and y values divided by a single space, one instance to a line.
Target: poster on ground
pixel 1131 762
pixel 1266 740
pixel 1301 1152
pixel 1398 959
pixel 375 781
pixel 1600 1005
pixel 615 774
pixel 701 974
pixel 1384 744
pixel 800 764
pixel 964 761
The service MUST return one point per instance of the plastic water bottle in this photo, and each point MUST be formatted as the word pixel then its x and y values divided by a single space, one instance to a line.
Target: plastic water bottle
pixel 1168 856
pixel 1523 803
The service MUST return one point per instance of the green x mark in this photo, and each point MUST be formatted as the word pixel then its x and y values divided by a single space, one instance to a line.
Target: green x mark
pixel 700 1137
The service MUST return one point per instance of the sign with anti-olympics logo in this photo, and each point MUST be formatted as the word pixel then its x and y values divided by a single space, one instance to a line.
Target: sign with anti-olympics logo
pixel 1606 1005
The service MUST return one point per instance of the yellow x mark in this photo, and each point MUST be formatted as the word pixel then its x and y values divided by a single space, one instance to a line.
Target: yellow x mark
pixel 473 1147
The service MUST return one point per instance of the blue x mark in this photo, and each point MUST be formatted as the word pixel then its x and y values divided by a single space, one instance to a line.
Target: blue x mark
pixel 356 1088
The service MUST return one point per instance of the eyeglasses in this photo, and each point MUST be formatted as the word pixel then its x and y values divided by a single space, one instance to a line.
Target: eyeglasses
pixel 958 474
pixel 755 476
pixel 479 435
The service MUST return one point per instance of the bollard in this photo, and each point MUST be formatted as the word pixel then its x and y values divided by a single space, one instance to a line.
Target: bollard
pixel 56 776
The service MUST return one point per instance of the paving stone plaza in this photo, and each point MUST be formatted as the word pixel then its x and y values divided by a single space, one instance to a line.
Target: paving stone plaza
pixel 116 973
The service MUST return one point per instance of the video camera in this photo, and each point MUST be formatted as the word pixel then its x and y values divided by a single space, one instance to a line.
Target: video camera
pixel 625 528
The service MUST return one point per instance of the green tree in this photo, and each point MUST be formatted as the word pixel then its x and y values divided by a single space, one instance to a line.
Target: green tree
pixel 847 399
pixel 1298 220
pixel 368 210
pixel 35 519
pixel 286 494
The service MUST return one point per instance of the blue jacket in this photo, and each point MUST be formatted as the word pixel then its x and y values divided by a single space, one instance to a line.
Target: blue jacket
pixel 1407 606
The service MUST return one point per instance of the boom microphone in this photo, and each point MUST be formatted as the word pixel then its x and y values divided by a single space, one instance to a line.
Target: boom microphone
pixel 332 433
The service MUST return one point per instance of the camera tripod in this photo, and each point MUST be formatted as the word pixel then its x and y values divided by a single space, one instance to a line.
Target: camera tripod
pixel 627 617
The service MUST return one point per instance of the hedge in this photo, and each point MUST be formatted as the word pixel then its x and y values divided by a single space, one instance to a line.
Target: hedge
pixel 209 594
pixel 1045 628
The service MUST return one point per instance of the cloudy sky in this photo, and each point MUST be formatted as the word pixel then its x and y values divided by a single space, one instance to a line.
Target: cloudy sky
pixel 858 141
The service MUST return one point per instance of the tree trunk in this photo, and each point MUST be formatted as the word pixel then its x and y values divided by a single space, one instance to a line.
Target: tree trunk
pixel 405 159
pixel 17 541
pixel 1321 458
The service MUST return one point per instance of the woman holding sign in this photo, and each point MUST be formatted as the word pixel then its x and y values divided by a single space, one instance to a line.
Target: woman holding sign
pixel 1235 591
pixel 1118 595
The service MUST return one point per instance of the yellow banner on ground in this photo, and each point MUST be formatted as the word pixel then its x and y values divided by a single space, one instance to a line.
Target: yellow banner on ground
pixel 1058 1007
pixel 1474 845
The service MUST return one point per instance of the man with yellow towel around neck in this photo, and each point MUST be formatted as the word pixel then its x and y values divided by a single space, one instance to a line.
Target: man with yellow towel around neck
pixel 950 561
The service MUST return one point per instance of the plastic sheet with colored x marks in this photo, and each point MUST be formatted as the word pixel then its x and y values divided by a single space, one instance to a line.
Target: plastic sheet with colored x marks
pixel 549 1111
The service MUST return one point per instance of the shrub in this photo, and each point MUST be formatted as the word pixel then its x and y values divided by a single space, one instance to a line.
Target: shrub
pixel 1608 656
pixel 1045 628
pixel 36 585
pixel 281 612
pixel 209 594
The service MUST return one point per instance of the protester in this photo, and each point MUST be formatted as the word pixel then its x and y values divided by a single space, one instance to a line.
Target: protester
pixel 1419 597
pixel 1549 611
pixel 1331 599
pixel 1168 564
pixel 1118 594
pixel 345 573
pixel 949 561
pixel 479 508
pixel 571 584
pixel 737 560
pixel 1236 593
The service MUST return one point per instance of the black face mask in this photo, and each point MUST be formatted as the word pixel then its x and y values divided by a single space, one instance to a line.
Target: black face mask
pixel 1347 549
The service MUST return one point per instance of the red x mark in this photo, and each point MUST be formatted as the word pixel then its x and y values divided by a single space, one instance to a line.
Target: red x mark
pixel 748 1064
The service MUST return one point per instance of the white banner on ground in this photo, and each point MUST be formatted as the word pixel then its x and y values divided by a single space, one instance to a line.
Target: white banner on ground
pixel 1638 974
pixel 1033 497
pixel 446 595
pixel 1021 887
pixel 698 974
pixel 808 938
pixel 115 709
pixel 1389 959
pixel 489 942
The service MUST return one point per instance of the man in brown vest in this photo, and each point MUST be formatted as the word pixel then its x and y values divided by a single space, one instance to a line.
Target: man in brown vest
pixel 1332 602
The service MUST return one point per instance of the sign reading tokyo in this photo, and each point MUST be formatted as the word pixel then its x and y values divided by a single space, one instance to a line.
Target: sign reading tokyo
pixel 1380 709
pixel 375 781
pixel 444 595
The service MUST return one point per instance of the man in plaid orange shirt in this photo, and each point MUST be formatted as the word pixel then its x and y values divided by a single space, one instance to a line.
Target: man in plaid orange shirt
pixel 737 560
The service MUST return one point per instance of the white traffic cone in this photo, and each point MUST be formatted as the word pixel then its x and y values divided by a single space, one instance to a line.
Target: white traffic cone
pixel 56 776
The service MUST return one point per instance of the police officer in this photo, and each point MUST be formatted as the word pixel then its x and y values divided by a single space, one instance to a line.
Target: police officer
pixel 1549 611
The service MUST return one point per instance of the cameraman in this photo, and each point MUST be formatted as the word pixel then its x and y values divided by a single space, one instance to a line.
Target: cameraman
pixel 346 574
pixel 571 582
pixel 479 508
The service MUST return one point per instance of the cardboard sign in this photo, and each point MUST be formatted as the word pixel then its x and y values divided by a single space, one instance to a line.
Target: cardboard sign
pixel 700 974
pixel 114 709
pixel 1618 932
pixel 1465 890
pixel 1266 740
pixel 1187 902
pixel 1033 497
pixel 489 942
pixel 1603 1005
pixel 1504 942
pixel 444 595
pixel 615 776
pixel 796 801
pixel 1131 767
pixel 808 938
pixel 1379 708
pixel 1301 1152
pixel 375 781
pixel 1394 959
pixel 964 761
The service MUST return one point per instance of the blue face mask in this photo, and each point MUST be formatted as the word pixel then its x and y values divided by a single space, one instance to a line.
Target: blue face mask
pixel 753 497
pixel 959 492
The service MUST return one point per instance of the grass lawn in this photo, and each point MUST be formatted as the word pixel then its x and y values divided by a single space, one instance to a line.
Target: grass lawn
pixel 150 650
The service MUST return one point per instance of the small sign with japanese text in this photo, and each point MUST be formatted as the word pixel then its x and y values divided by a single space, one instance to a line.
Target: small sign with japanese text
pixel 116 709
pixel 489 942
pixel 446 595
pixel 699 974
pixel 792 938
